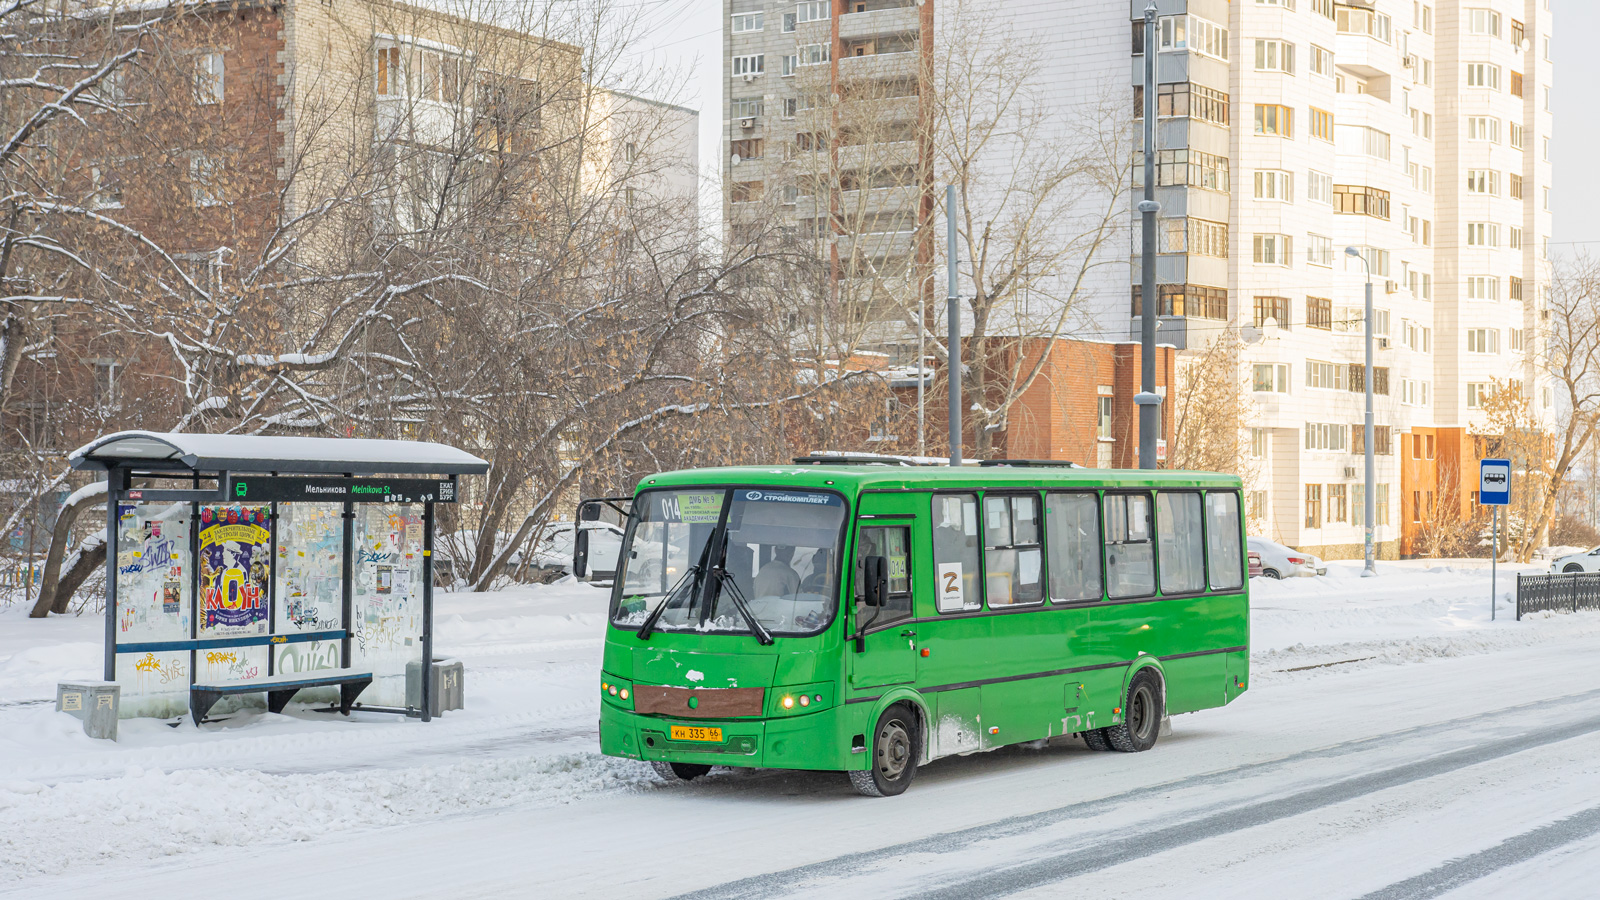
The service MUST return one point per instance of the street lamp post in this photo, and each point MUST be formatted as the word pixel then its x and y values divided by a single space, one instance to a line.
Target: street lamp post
pixel 1148 401
pixel 1370 500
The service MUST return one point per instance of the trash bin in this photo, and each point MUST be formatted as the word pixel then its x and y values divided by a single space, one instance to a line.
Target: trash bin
pixel 94 702
pixel 447 692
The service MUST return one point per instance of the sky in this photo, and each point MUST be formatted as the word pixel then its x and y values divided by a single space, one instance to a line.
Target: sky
pixel 688 34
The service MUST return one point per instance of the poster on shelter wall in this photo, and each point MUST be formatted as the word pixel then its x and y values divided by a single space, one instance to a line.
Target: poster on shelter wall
pixel 234 547
pixel 152 559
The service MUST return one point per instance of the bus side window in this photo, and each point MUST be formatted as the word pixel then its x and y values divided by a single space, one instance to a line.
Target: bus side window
pixel 1012 558
pixel 1072 536
pixel 1222 541
pixel 894 544
pixel 1130 560
pixel 1178 527
pixel 955 552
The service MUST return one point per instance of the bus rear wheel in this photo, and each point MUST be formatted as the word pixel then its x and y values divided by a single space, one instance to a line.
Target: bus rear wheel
pixel 1141 719
pixel 894 755
pixel 672 771
pixel 1095 738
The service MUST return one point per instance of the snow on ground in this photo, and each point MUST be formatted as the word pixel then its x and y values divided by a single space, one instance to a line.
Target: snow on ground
pixel 519 764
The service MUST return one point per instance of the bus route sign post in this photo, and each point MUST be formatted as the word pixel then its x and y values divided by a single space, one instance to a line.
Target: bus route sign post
pixel 1494 489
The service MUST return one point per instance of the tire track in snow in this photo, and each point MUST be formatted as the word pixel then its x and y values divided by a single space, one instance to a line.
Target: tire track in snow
pixel 1121 846
pixel 1467 869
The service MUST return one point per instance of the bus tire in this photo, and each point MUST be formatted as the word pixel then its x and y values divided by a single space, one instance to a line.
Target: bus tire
pixel 1142 712
pixel 893 762
pixel 1095 738
pixel 672 771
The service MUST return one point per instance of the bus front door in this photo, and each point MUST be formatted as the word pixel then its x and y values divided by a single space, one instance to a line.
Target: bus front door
pixel 886 652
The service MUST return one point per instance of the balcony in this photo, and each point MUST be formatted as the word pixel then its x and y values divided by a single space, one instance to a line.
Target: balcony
pixel 880 66
pixel 878 22
pixel 878 155
pixel 875 245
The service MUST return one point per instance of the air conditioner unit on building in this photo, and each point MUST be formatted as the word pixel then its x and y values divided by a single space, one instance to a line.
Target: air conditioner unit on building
pixel 1409 62
pixel 751 76
pixel 1349 471
pixel 1390 287
pixel 747 122
pixel 1383 343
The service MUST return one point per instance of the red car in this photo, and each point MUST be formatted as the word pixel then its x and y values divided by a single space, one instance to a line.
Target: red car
pixel 1255 562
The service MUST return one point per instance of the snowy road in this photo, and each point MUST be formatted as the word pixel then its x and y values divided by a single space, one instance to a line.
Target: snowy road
pixel 1428 771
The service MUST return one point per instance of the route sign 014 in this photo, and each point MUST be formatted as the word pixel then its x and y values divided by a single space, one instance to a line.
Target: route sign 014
pixel 265 488
pixel 1494 482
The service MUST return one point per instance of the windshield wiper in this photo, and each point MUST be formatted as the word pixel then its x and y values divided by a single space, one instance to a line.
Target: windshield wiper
pixel 648 626
pixel 725 580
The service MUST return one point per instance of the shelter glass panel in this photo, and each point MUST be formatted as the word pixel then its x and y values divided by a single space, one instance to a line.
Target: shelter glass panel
pixel 154 600
pixel 387 598
pixel 310 564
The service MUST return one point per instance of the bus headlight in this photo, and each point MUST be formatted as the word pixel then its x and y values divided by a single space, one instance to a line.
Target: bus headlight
pixel 797 699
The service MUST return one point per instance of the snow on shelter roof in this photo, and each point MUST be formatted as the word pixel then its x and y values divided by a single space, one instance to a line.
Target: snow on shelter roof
pixel 249 453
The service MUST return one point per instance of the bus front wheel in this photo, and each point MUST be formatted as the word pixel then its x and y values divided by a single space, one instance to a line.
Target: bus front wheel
pixel 894 755
pixel 1142 712
pixel 672 771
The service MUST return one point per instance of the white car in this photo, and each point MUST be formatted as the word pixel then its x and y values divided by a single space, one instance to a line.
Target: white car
pixel 554 546
pixel 1578 562
pixel 1278 561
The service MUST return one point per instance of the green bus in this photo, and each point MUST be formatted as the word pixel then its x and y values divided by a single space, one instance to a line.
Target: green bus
pixel 870 618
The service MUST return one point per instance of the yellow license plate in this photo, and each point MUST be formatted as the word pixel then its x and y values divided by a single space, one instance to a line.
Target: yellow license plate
pixel 696 733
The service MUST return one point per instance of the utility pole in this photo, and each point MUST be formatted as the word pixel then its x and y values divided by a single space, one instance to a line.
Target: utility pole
pixel 1148 401
pixel 953 313
pixel 1370 492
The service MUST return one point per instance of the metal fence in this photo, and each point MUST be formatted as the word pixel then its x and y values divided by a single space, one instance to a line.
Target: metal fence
pixel 1566 592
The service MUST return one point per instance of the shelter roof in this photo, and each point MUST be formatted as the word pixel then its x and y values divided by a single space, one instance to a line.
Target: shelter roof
pixel 155 450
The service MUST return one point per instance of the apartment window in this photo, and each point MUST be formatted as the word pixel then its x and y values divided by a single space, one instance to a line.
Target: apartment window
pixel 1483 234
pixel 208 78
pixel 1185 167
pixel 1516 340
pixel 1325 375
pixel 1184 99
pixel 1319 313
pixel 1270 378
pixel 1483 287
pixel 1272 249
pixel 1103 426
pixel 745 107
pixel 790 107
pixel 1286 4
pixel 1364 140
pixel 1514 290
pixel 1275 56
pixel 1321 124
pixel 1483 21
pixel 1187 300
pixel 1319 187
pixel 1207 238
pixel 812 11
pixel 1519 32
pixel 1477 394
pixel 1337 511
pixel 1178 33
pixel 1483 75
pixel 1321 61
pixel 107 187
pixel 1383 500
pixel 1273 184
pixel 788 22
pixel 750 65
pixel 1326 436
pixel 1487 181
pixel 203 174
pixel 1377 261
pixel 1274 308
pixel 1354 199
pixel 749 148
pixel 1421 123
pixel 1518 136
pixel 813 54
pixel 1319 250
pixel 1483 128
pixel 1322 7
pixel 788 64
pixel 746 22
pixel 1363 21
pixel 1274 120
pixel 1483 340
pixel 1516 84
pixel 747 191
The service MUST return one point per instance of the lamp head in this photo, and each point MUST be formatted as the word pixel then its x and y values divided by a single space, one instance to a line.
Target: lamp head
pixel 1351 251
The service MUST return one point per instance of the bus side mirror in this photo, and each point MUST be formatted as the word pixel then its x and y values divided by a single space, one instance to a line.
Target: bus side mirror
pixel 589 511
pixel 875 569
pixel 580 552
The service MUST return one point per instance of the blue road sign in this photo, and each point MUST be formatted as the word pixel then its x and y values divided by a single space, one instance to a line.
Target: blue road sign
pixel 1494 482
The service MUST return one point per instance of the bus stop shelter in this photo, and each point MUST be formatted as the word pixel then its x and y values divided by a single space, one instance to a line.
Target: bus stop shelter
pixel 238 566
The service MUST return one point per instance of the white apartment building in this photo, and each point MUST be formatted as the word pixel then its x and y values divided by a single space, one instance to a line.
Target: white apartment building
pixel 1416 132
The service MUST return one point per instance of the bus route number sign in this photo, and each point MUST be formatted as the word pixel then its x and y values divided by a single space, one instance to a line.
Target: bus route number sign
pixel 1494 482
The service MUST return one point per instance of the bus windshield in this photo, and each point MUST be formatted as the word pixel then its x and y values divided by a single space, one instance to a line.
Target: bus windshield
pixel 698 549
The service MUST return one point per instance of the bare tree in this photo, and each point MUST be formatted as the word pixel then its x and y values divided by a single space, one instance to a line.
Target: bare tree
pixel 1210 405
